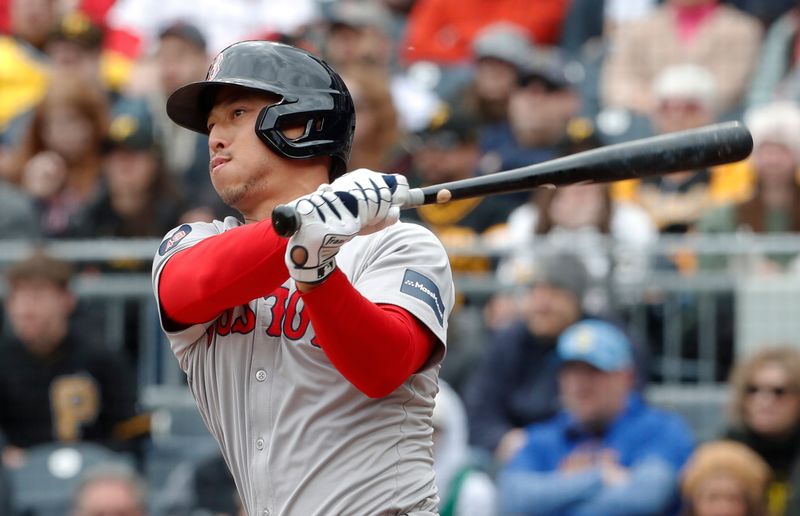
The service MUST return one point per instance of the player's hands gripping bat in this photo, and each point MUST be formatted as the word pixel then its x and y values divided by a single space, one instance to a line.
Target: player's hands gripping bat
pixel 360 202
pixel 327 221
pixel 379 197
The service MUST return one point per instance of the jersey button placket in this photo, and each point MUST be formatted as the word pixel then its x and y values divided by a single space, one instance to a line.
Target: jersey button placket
pixel 259 444
pixel 261 375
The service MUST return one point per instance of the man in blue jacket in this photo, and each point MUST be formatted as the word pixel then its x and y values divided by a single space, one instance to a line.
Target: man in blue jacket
pixel 607 452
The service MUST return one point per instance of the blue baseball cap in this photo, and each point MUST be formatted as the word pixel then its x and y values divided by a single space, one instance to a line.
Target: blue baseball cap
pixel 597 343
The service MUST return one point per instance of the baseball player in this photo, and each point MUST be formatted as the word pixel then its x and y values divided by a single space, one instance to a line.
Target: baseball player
pixel 313 361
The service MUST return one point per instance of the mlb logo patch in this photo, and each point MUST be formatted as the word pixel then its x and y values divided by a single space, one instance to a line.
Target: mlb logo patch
pixel 173 240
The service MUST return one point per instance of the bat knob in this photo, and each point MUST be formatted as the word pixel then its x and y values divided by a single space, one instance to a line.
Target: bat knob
pixel 285 220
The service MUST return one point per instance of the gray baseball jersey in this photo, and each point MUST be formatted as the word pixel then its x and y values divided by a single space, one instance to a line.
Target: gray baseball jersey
pixel 298 438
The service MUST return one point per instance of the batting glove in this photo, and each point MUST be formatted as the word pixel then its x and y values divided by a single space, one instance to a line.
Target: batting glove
pixel 379 197
pixel 328 221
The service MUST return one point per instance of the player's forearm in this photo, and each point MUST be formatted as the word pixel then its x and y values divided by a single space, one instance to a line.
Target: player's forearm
pixel 376 347
pixel 223 271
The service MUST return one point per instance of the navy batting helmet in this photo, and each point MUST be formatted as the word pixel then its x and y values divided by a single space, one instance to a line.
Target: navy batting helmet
pixel 311 92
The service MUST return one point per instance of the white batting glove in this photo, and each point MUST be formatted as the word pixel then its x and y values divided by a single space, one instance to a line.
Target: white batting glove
pixel 328 221
pixel 379 196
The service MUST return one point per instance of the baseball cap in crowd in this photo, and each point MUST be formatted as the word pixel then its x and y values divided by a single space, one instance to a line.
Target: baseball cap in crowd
pixel 359 15
pixel 561 270
pixel 503 41
pixel 131 126
pixel 448 129
pixel 549 66
pixel 78 29
pixel 686 82
pixel 185 31
pixel 777 122
pixel 597 343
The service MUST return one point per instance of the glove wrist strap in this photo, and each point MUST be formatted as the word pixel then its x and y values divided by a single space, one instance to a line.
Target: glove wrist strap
pixel 314 274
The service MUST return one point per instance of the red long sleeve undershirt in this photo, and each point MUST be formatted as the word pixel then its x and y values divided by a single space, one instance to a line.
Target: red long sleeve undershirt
pixel 229 269
pixel 376 347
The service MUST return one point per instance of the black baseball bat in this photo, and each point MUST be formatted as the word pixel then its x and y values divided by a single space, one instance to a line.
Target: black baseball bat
pixel 693 149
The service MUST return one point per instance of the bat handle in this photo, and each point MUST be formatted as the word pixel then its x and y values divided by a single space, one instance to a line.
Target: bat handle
pixel 286 221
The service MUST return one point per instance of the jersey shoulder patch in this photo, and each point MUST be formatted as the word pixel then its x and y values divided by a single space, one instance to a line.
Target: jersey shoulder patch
pixel 423 288
pixel 173 240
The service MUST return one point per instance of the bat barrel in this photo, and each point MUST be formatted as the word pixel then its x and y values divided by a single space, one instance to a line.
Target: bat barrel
pixel 694 149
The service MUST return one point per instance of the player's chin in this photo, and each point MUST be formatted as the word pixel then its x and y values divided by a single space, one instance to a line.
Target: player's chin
pixel 231 195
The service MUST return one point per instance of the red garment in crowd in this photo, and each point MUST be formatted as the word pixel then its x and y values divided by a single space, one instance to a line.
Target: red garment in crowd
pixel 443 30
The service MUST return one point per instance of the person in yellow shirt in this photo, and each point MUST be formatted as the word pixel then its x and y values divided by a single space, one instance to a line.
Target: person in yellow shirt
pixel 685 97
pixel 23 68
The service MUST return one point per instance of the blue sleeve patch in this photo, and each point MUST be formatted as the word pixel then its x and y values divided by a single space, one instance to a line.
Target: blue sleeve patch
pixel 173 240
pixel 421 287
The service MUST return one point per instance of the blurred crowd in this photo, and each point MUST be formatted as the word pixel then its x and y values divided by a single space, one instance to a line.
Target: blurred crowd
pixel 543 407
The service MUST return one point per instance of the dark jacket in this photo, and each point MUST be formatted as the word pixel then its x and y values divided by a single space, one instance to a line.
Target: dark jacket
pixel 514 385
pixel 81 392
pixel 783 457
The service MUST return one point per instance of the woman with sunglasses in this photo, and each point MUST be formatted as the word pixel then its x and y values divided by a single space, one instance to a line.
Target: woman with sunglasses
pixel 765 415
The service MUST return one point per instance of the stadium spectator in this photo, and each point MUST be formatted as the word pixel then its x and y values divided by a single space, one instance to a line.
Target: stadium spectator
pixel 773 205
pixel 379 142
pixel 18 214
pixel 514 383
pixel 23 64
pixel 500 53
pixel 201 485
pixel 448 151
pixel 777 75
pixel 607 451
pixel 540 110
pixel 75 45
pixel 686 97
pixel 765 415
pixel 464 490
pixel 588 31
pixel 138 198
pixel 588 21
pixel 443 30
pixel 707 33
pixel 59 158
pixel 55 383
pixel 110 489
pixel 357 35
pixel 72 47
pixel 724 478
pixel 610 236
pixel 181 58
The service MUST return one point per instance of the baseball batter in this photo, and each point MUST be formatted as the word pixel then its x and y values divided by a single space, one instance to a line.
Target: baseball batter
pixel 314 361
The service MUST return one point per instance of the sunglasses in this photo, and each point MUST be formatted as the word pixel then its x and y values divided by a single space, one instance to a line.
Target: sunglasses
pixel 776 391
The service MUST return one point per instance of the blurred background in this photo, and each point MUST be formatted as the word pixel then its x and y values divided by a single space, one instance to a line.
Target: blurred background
pixel 700 268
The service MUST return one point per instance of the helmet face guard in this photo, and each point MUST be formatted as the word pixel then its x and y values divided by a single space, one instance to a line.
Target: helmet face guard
pixel 311 93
